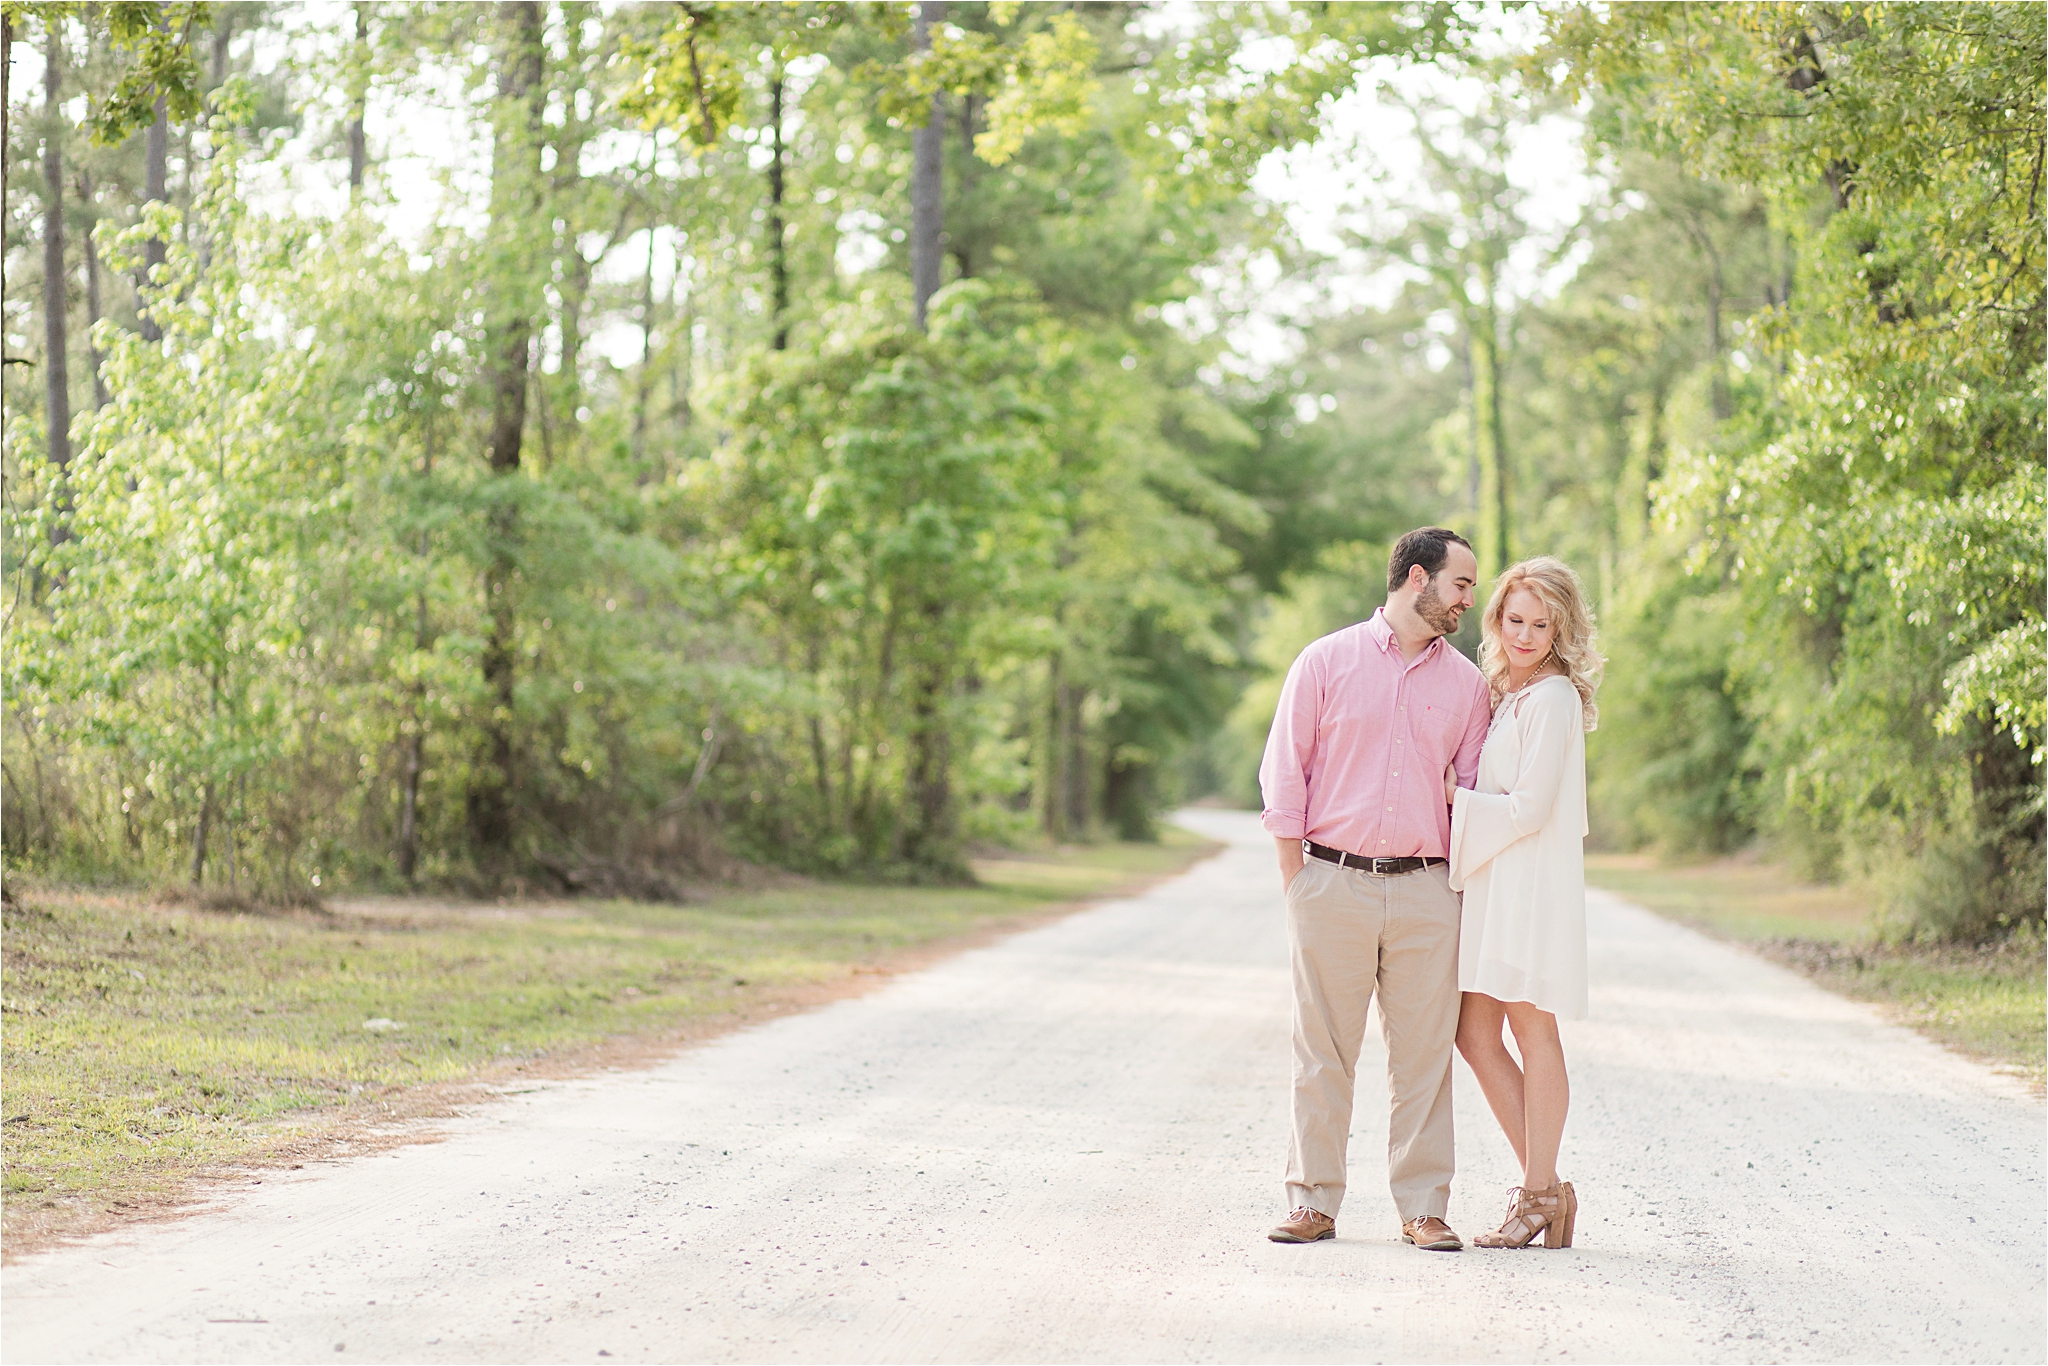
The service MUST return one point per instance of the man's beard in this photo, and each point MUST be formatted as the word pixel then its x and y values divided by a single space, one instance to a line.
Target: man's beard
pixel 1439 618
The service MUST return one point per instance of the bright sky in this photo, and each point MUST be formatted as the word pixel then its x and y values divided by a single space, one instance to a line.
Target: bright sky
pixel 1365 175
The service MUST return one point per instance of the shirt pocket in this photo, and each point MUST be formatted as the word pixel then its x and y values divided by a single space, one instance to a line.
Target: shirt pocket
pixel 1438 733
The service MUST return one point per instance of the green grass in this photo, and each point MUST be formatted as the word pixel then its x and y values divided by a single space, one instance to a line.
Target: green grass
pixel 145 1043
pixel 1990 1002
pixel 1735 898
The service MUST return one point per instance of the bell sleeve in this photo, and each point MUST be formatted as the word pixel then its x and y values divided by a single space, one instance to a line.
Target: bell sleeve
pixel 1485 823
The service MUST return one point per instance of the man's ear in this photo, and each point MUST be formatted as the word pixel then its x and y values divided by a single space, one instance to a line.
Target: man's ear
pixel 1418 578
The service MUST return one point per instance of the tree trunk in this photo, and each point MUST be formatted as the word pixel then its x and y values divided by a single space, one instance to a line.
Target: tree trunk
pixel 644 381
pixel 927 180
pixel 821 764
pixel 1054 781
pixel 408 815
pixel 92 291
pixel 778 245
pixel 931 757
pixel 963 242
pixel 1489 427
pixel 1074 767
pixel 682 359
pixel 6 105
pixel 1489 441
pixel 56 307
pixel 199 836
pixel 358 93
pixel 156 159
pixel 515 190
pixel 1124 798
pixel 1704 240
pixel 1724 407
pixel 416 742
pixel 1472 472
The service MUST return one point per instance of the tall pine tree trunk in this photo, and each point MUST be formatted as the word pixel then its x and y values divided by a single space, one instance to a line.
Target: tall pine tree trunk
pixel 1054 780
pixel 199 836
pixel 416 740
pixel 6 105
pixel 643 384
pixel 1074 767
pixel 56 307
pixel 1489 434
pixel 927 180
pixel 933 831
pixel 515 194
pixel 778 233
pixel 1724 406
pixel 156 162
pixel 93 310
pixel 358 93
pixel 933 828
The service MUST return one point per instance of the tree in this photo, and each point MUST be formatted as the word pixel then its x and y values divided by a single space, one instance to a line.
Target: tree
pixel 56 304
pixel 927 187
pixel 516 197
pixel 1464 248
pixel 1882 514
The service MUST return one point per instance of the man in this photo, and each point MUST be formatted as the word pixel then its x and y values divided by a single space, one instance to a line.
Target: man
pixel 1353 780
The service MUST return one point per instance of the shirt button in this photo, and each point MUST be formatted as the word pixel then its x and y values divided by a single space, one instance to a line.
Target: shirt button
pixel 1390 809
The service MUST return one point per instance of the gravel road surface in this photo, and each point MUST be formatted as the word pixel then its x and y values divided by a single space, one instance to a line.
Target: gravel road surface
pixel 1067 1147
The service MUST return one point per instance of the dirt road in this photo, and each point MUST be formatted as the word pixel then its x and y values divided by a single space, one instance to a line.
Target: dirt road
pixel 1066 1146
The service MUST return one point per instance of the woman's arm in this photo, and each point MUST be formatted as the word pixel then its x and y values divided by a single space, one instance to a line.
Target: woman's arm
pixel 1485 823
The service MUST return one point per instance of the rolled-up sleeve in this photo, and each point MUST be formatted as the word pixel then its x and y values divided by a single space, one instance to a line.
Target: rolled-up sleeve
pixel 1288 765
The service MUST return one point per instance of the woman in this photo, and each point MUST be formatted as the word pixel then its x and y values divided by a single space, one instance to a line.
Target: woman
pixel 1517 854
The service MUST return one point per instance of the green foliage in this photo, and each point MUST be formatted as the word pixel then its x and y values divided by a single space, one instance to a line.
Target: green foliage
pixel 1881 512
pixel 1671 761
pixel 155 36
pixel 641 530
pixel 878 499
pixel 373 571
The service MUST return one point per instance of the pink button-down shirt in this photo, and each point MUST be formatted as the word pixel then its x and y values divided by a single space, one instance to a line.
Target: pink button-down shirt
pixel 1359 743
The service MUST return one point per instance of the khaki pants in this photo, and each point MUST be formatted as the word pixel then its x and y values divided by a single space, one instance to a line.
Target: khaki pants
pixel 1351 933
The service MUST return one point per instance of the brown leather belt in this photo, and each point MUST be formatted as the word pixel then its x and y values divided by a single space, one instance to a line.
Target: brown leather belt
pixel 1378 867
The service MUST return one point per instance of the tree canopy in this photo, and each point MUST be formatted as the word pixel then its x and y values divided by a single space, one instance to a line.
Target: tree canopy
pixel 817 433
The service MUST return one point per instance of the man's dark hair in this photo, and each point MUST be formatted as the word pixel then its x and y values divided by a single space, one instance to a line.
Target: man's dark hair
pixel 1426 546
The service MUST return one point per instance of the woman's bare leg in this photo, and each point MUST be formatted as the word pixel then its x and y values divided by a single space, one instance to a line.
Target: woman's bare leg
pixel 1546 1092
pixel 1486 1053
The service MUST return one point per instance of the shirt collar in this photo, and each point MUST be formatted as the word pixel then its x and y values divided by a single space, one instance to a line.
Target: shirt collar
pixel 1383 636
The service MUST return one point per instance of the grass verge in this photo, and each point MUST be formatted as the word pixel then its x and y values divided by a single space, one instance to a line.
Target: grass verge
pixel 1990 1003
pixel 147 1044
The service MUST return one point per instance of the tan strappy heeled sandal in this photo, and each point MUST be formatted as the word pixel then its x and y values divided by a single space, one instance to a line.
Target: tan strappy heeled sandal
pixel 1552 1212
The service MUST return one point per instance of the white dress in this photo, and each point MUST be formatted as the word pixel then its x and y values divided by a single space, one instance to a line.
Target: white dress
pixel 1518 854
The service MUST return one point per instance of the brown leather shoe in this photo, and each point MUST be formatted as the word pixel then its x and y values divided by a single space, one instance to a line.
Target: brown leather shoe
pixel 1431 1234
pixel 1304 1225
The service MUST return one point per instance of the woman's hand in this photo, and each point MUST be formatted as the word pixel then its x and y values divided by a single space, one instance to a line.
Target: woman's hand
pixel 1450 784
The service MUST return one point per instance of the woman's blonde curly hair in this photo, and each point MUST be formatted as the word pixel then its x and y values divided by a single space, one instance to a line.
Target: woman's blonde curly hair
pixel 1574 637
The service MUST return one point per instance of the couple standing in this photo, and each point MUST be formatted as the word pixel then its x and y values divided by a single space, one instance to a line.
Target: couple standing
pixel 1396 777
